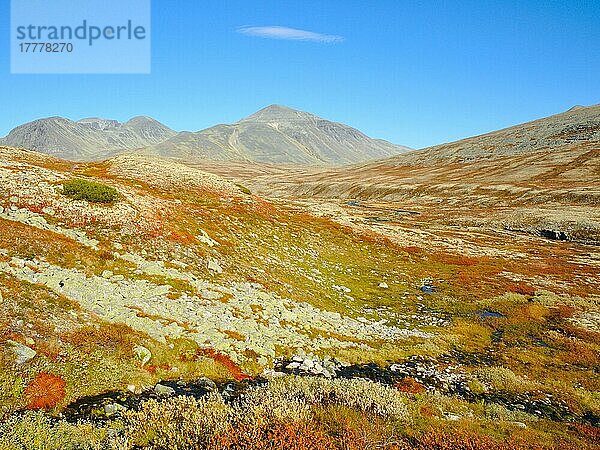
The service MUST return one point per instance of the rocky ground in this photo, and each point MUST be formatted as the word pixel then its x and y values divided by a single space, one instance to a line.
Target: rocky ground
pixel 189 288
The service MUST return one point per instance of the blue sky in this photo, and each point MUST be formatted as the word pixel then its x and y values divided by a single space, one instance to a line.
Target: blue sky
pixel 414 73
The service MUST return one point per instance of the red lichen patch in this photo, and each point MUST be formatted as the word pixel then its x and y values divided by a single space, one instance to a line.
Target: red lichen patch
pixel 49 348
pixel 181 237
pixel 412 250
pixel 225 361
pixel 463 440
pixel 562 312
pixel 521 288
pixel 456 260
pixel 410 386
pixel 152 369
pixel 588 431
pixel 426 411
pixel 45 391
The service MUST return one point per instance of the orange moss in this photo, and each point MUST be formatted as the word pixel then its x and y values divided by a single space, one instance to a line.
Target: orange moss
pixel 456 260
pixel 410 386
pixel 225 361
pixel 45 391
pixel 412 250
pixel 111 337
pixel 235 335
pixel 521 288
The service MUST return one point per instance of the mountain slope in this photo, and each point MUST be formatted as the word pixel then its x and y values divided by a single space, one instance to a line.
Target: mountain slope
pixel 560 150
pixel 577 125
pixel 277 134
pixel 86 139
pixel 539 176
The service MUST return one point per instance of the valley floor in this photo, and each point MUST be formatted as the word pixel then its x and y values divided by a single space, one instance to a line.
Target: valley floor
pixel 190 313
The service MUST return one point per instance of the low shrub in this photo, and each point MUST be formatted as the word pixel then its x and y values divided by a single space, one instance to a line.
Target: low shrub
pixel 37 431
pixel 504 379
pixel 363 395
pixel 89 190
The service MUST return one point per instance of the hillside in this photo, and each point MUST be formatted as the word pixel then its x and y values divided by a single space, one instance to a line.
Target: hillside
pixel 537 177
pixel 278 135
pixel 578 125
pixel 87 139
pixel 185 291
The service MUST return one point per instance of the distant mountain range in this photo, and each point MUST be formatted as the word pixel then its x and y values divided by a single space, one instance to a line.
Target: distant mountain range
pixel 275 134
pixel 87 139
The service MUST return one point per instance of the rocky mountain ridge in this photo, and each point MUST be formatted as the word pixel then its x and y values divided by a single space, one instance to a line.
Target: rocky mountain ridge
pixel 276 134
pixel 280 135
pixel 87 139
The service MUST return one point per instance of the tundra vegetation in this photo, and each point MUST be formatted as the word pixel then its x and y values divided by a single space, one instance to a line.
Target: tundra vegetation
pixel 89 190
pixel 492 347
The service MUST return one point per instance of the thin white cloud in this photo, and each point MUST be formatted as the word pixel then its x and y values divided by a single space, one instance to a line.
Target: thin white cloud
pixel 291 34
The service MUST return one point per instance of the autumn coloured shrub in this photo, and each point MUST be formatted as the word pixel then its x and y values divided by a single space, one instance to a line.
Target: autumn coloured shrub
pixel 89 190
pixel 521 288
pixel 503 379
pixel 45 391
pixel 462 440
pixel 457 260
pixel 226 361
pixel 410 386
pixel 362 395
pixel 109 336
pixel 285 436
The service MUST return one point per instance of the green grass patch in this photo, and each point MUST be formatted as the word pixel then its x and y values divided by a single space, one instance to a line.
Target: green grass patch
pixel 89 190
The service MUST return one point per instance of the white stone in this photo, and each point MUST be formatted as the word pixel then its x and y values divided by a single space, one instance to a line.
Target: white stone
pixel 22 352
pixel 206 239
pixel 142 353
pixel 214 266
pixel 162 390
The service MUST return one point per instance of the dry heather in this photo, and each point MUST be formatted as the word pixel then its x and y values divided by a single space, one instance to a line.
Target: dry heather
pixel 488 337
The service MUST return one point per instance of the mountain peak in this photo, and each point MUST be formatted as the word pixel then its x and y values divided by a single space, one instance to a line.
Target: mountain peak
pixel 141 119
pixel 276 112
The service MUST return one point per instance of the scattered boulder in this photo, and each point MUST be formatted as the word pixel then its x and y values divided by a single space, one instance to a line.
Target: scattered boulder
pixel 113 408
pixel 383 285
pixel 214 266
pixel 163 391
pixel 207 384
pixel 134 389
pixel 142 353
pixel 452 417
pixel 22 352
pixel 206 239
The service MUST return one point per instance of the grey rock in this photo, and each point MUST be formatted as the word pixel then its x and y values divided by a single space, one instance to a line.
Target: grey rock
pixel 163 391
pixel 22 352
pixel 113 408
pixel 207 383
